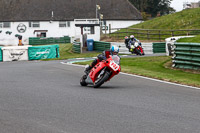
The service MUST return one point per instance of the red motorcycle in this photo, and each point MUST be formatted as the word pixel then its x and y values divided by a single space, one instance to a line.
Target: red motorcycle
pixel 136 48
pixel 102 72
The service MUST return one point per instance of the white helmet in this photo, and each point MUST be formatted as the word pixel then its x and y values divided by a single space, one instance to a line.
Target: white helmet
pixel 132 36
pixel 114 49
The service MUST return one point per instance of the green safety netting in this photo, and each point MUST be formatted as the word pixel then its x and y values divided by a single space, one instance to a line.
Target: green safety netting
pixel 43 52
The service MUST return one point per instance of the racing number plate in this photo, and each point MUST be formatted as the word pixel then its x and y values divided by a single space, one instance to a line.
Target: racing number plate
pixel 114 66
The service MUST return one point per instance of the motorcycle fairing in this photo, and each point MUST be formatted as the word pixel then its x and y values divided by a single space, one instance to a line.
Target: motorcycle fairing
pixel 141 49
pixel 116 70
pixel 94 72
pixel 89 80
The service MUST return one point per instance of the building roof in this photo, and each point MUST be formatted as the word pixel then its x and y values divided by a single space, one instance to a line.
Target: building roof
pixel 41 10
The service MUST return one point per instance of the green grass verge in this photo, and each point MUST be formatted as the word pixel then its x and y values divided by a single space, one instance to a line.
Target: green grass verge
pixel 158 68
pixel 195 39
pixel 65 51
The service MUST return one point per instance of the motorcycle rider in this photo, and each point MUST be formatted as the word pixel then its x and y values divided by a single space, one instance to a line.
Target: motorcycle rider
pixel 133 39
pixel 114 50
pixel 127 39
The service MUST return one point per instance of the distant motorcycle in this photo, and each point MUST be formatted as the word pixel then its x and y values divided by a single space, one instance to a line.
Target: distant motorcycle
pixel 135 48
pixel 102 72
pixel 126 41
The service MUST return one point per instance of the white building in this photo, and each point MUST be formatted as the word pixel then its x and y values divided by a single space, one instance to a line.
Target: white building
pixel 56 18
pixel 188 5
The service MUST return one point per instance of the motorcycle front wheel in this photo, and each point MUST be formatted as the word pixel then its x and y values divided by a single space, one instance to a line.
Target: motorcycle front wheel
pixel 82 81
pixel 138 51
pixel 101 79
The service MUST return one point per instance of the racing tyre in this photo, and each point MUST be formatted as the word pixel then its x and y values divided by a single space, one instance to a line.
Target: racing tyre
pixel 101 79
pixel 138 51
pixel 82 81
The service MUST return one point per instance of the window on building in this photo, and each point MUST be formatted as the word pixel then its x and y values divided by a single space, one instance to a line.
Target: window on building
pixel 34 24
pixel 92 30
pixel 68 23
pixel 104 22
pixel 89 30
pixel 64 24
pixel 4 24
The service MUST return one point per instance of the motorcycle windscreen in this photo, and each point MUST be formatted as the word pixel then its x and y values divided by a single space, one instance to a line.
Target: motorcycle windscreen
pixel 136 44
pixel 116 59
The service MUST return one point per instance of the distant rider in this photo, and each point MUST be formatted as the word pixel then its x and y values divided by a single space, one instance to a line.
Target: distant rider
pixel 127 39
pixel 133 39
pixel 114 50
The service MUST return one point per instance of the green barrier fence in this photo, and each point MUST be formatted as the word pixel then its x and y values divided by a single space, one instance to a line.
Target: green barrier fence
pixel 1 54
pixel 159 47
pixel 187 56
pixel 43 52
pixel 101 46
pixel 97 46
pixel 76 47
pixel 50 40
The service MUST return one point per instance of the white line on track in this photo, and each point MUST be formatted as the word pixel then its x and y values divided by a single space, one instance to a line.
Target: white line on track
pixel 80 58
pixel 187 86
pixel 160 81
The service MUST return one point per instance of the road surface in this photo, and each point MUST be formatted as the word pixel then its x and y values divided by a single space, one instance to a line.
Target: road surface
pixel 45 97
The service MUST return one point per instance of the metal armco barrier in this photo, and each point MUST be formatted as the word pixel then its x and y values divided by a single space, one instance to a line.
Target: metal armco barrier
pixel 101 46
pixel 187 56
pixel 76 47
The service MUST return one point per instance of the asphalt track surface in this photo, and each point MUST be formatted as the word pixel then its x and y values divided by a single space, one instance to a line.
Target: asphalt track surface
pixel 45 97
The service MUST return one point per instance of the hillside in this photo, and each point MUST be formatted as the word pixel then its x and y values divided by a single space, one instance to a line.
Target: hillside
pixel 186 19
pixel 186 22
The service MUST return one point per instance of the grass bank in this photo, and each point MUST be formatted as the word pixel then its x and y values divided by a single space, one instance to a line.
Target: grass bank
pixel 195 39
pixel 186 19
pixel 164 26
pixel 65 51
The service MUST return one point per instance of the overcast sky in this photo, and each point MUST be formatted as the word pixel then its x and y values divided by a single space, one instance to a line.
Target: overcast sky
pixel 178 4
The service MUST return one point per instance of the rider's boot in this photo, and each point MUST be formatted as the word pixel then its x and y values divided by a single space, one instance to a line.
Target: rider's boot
pixel 87 69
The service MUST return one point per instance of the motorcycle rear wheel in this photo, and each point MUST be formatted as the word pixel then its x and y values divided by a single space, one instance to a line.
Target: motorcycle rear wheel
pixel 82 81
pixel 101 80
pixel 138 51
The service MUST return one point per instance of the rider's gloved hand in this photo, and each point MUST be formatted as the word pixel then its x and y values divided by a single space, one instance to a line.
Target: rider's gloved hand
pixel 100 57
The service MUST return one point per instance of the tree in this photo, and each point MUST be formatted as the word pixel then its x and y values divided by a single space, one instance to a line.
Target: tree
pixel 153 7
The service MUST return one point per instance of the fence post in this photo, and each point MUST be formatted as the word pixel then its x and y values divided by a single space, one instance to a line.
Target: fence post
pixel 187 33
pixel 109 29
pixel 159 35
pixel 117 35
pixel 147 34
pixel 172 33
